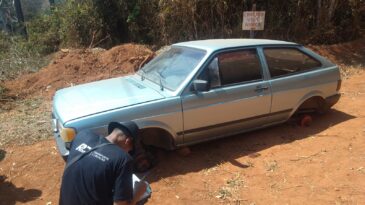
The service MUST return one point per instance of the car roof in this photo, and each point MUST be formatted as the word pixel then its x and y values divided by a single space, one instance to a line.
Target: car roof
pixel 217 44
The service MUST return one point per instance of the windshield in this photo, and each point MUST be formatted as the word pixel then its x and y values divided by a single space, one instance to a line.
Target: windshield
pixel 170 68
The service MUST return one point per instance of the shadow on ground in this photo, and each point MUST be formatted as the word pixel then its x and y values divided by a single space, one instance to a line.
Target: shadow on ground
pixel 210 154
pixel 10 194
pixel 2 154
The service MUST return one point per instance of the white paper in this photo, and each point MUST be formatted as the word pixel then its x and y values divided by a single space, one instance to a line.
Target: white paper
pixel 148 191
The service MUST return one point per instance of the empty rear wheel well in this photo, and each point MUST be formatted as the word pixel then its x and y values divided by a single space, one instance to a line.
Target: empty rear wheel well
pixel 315 103
pixel 157 137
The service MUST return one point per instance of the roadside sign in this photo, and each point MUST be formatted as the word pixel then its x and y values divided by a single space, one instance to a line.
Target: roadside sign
pixel 253 20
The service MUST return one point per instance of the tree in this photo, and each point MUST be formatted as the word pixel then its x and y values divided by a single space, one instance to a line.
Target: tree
pixel 19 14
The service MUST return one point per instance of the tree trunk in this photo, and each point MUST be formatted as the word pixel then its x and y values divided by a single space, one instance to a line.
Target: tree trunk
pixel 20 16
pixel 331 9
pixel 319 12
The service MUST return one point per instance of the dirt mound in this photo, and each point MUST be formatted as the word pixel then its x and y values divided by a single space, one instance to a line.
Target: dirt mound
pixel 72 67
pixel 350 53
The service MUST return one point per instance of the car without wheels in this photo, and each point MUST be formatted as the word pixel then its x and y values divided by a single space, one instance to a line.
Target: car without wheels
pixel 202 90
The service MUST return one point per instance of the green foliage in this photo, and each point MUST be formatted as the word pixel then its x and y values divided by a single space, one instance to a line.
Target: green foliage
pixel 303 21
pixel 81 23
pixel 4 43
pixel 142 22
pixel 44 33
pixel 17 56
pixel 2 91
pixel 90 23
pixel 335 26
pixel 134 14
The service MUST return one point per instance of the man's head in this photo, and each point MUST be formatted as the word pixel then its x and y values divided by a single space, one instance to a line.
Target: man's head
pixel 123 134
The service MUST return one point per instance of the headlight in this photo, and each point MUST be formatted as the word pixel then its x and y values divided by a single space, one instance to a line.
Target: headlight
pixel 67 134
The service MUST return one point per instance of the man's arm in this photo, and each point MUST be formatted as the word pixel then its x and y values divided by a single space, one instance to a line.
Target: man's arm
pixel 124 193
pixel 141 189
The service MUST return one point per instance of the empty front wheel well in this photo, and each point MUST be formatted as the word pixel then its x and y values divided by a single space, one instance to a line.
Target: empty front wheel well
pixel 157 137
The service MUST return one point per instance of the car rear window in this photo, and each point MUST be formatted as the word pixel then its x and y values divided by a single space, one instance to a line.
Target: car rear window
pixel 283 61
pixel 239 66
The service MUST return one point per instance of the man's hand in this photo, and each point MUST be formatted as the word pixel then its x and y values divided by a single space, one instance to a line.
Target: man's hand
pixel 139 190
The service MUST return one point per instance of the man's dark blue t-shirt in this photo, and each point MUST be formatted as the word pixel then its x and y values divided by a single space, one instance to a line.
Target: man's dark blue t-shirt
pixel 100 177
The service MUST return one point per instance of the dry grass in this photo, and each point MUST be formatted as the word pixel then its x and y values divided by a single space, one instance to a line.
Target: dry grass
pixel 271 166
pixel 18 57
pixel 16 62
pixel 230 191
pixel 25 121
pixel 2 91
pixel 348 71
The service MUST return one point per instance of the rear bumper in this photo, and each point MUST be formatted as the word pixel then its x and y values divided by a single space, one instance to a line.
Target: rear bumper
pixel 332 100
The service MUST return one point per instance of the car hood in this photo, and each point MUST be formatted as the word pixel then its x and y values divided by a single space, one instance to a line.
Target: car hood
pixel 91 98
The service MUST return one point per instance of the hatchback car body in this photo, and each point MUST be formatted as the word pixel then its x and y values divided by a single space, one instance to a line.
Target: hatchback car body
pixel 201 90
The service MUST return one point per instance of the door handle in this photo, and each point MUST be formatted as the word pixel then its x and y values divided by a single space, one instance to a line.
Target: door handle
pixel 261 88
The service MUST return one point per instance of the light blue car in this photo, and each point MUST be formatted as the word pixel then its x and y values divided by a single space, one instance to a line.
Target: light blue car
pixel 202 90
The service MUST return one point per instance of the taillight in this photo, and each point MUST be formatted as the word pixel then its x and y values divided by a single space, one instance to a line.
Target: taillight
pixel 339 82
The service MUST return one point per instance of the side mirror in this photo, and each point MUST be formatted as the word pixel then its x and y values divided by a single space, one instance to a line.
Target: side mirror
pixel 200 85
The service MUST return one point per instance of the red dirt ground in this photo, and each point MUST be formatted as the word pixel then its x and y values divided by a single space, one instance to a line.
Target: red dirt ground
pixel 286 164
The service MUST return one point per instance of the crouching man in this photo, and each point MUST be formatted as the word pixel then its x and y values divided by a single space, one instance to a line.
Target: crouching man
pixel 99 169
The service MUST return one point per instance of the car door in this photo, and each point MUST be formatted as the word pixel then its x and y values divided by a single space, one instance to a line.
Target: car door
pixel 294 74
pixel 239 97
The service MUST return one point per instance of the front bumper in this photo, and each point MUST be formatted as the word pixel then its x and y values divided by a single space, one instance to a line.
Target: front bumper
pixel 61 146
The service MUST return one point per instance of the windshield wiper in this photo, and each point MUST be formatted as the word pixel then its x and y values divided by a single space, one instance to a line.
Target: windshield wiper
pixel 143 73
pixel 161 77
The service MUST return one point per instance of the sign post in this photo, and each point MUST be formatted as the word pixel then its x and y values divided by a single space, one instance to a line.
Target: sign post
pixel 253 20
pixel 252 32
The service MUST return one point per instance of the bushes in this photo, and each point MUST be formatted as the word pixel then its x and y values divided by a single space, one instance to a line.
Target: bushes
pixel 4 43
pixel 89 23
pixel 142 22
pixel 17 56
pixel 75 23
pixel 72 24
pixel 44 33
pixel 318 21
pixel 81 24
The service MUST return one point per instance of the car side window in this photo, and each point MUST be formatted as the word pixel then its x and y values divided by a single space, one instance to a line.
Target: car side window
pixel 211 74
pixel 283 61
pixel 239 66
pixel 213 71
